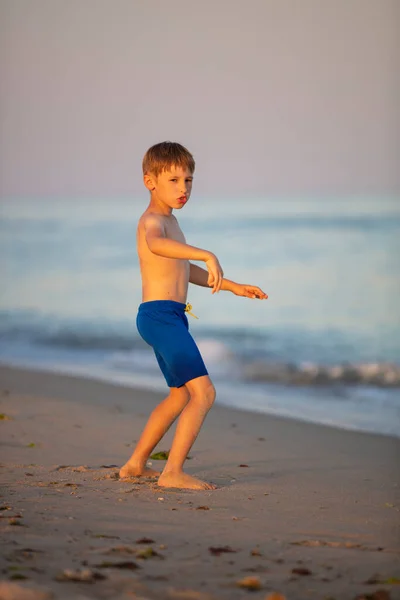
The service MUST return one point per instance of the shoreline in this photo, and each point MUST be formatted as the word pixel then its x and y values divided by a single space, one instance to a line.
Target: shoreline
pixel 307 510
pixel 127 381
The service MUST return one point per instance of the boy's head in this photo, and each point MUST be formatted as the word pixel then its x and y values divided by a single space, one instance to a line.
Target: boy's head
pixel 168 170
pixel 161 157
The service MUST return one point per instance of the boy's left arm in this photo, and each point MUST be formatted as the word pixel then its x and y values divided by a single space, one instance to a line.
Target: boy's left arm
pixel 199 276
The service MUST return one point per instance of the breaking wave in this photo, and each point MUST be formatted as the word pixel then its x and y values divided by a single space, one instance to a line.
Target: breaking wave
pixel 374 374
pixel 236 354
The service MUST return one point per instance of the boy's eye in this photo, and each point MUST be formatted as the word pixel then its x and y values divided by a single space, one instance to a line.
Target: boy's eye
pixel 173 179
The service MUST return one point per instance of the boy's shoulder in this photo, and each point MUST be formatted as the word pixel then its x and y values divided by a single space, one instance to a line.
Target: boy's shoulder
pixel 152 218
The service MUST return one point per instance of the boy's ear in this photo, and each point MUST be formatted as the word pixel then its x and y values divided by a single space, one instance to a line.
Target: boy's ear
pixel 149 181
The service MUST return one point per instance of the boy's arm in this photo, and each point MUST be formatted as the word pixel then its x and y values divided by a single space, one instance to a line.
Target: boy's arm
pixel 199 276
pixel 160 244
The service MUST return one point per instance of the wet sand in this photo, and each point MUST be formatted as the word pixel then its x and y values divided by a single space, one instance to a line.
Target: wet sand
pixel 305 510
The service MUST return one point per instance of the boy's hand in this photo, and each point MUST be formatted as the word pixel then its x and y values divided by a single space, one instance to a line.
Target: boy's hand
pixel 248 291
pixel 215 273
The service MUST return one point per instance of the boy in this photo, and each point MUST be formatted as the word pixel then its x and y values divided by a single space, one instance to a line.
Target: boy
pixel 166 272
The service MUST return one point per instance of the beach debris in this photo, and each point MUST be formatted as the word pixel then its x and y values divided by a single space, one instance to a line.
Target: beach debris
pixel 148 553
pixel 261 439
pixel 127 564
pixel 105 536
pixel 203 508
pixel 377 595
pixel 301 571
pixel 255 552
pixel 390 505
pixel 4 417
pixel 218 550
pixel 145 540
pixel 81 575
pixel 14 591
pixel 16 522
pixel 174 594
pixel 31 445
pixel 162 455
pixel 243 465
pixel 350 545
pixel 250 583
pixel 18 576
pixel 5 507
pixel 377 579
pixel 161 499
pixel 276 596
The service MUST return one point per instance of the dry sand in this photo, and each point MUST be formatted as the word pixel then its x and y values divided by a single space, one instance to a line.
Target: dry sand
pixel 305 510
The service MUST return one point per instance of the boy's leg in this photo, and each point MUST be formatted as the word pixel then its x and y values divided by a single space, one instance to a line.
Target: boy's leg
pixel 158 424
pixel 202 396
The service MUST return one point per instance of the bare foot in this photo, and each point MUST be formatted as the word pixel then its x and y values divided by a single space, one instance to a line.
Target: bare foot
pixel 131 470
pixel 183 480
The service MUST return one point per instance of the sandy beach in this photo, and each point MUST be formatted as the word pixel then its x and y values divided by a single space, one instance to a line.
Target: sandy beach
pixel 303 510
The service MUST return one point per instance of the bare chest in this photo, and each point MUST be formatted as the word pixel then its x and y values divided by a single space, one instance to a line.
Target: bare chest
pixel 174 232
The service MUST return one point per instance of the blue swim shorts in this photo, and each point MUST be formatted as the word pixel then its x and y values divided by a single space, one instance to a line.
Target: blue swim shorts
pixel 164 326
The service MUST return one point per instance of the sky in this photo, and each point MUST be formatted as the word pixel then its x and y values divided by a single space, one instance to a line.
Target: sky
pixel 273 97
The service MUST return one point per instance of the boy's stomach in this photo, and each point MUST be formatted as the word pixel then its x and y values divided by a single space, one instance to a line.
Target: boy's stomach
pixel 166 284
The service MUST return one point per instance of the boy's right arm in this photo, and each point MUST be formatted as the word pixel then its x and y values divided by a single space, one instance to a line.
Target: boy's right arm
pixel 161 245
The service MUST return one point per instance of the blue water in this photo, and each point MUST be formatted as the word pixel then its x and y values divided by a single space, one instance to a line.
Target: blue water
pixel 324 347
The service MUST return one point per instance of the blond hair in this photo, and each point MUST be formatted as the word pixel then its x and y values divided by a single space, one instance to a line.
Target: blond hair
pixel 161 157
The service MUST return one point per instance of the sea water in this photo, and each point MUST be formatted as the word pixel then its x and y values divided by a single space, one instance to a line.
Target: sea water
pixel 325 346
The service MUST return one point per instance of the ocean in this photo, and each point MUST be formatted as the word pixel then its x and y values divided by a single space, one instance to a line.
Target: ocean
pixel 325 346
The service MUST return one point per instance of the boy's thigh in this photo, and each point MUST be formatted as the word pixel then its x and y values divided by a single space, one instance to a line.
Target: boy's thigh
pixel 179 357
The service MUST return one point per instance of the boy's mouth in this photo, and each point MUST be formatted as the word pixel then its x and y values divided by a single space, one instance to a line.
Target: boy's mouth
pixel 182 200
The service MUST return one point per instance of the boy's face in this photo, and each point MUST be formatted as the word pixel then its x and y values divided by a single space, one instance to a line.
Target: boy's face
pixel 173 187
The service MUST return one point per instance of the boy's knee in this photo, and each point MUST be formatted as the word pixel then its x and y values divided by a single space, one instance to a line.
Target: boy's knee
pixel 207 396
pixel 202 391
pixel 211 394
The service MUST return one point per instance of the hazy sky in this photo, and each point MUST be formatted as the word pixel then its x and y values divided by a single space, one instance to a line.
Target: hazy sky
pixel 271 96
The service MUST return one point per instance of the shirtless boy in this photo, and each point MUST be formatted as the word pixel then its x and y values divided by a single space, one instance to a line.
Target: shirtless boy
pixel 166 272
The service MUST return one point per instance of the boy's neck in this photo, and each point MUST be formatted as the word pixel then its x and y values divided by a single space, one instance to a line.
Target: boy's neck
pixel 158 206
